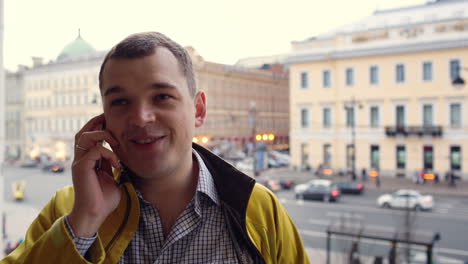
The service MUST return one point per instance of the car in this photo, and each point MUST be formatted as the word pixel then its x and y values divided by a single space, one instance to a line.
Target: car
pixel 29 164
pixel 406 199
pixel 350 187
pixel 318 190
pixel 286 184
pixel 272 184
pixel 55 167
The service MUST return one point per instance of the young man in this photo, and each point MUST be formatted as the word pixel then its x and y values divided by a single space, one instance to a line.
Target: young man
pixel 171 201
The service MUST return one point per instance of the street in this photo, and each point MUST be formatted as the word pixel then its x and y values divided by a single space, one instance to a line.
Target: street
pixel 449 216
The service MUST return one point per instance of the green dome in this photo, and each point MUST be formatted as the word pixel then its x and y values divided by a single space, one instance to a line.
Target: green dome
pixel 76 48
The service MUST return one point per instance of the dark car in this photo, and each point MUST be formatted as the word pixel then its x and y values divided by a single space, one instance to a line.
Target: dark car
pixel 29 164
pixel 350 187
pixel 286 184
pixel 55 167
pixel 322 192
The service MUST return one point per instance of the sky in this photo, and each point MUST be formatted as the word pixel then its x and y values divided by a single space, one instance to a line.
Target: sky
pixel 220 30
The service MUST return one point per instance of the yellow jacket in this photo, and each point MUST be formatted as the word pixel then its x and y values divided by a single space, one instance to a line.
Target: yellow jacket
pixel 254 214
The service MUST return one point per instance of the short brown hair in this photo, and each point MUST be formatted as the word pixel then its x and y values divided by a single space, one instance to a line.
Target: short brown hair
pixel 144 44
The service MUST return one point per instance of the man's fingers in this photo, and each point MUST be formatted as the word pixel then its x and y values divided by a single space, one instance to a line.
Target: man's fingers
pixel 99 152
pixel 88 140
pixel 94 123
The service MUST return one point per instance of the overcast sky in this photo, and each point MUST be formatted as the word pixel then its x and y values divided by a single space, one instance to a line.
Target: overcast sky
pixel 220 30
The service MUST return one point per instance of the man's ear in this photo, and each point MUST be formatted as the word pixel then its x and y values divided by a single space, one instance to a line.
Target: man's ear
pixel 200 108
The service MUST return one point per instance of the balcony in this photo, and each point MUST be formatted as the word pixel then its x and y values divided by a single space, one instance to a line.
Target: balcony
pixel 420 131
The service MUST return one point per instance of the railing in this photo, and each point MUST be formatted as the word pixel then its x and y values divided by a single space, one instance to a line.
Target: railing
pixel 434 131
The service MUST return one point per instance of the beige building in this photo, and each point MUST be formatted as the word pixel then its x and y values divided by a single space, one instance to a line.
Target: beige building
pixel 14 128
pixel 238 97
pixel 389 79
pixel 59 98
pixel 61 95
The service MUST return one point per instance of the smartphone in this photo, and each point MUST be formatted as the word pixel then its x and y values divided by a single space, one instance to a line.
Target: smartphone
pixel 99 162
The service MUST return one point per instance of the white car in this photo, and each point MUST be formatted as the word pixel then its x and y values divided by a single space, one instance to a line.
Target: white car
pixel 301 187
pixel 406 199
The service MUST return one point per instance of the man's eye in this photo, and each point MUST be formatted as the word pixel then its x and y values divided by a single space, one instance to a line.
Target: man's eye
pixel 119 102
pixel 163 97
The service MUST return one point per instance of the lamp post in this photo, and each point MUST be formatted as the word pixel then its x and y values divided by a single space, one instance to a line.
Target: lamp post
pixel 253 123
pixel 351 106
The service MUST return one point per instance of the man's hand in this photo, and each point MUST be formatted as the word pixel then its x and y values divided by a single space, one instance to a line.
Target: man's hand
pixel 96 192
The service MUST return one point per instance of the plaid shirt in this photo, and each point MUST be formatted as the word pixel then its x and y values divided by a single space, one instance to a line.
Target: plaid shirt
pixel 199 235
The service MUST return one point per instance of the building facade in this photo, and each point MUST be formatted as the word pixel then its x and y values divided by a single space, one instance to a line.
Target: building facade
pixel 14 128
pixel 239 98
pixel 378 94
pixel 59 98
pixel 62 95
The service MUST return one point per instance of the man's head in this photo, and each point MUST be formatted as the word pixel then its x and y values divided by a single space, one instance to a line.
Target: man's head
pixel 151 105
pixel 144 44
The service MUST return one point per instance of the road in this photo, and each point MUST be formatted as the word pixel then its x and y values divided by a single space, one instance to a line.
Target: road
pixel 450 216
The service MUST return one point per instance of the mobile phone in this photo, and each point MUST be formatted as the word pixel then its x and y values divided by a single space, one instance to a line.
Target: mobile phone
pixel 99 162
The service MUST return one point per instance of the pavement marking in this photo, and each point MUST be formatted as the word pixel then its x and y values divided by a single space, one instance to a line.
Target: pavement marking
pixel 366 226
pixel 433 214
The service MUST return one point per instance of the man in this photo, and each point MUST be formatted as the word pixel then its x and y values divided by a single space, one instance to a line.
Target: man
pixel 170 201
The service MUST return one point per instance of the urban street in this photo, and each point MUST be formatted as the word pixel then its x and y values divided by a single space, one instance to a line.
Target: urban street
pixel 449 217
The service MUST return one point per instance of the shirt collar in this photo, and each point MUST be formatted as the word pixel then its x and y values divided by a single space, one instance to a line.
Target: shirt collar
pixel 205 183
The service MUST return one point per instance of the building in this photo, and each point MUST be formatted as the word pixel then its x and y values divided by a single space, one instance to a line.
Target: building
pixel 378 93
pixel 238 97
pixel 59 98
pixel 14 128
pixel 61 95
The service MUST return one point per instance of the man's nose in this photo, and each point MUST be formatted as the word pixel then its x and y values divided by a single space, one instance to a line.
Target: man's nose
pixel 142 114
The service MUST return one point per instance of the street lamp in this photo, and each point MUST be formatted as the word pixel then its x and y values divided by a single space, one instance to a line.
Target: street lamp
pixel 351 106
pixel 253 123
pixel 458 82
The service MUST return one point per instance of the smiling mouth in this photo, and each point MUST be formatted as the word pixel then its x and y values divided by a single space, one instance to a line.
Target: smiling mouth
pixel 146 140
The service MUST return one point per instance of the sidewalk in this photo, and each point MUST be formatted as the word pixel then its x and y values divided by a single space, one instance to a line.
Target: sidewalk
pixel 18 218
pixel 387 184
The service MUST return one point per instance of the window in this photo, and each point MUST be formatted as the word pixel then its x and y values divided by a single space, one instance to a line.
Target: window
pixel 400 73
pixel 455 115
pixel 374 116
pixel 454 69
pixel 401 157
pixel 304 80
pixel 326 78
pixel 350 122
pixel 427 115
pixel 455 157
pixel 374 75
pixel 375 156
pixel 400 115
pixel 427 71
pixel 304 118
pixel 326 121
pixel 428 157
pixel 349 76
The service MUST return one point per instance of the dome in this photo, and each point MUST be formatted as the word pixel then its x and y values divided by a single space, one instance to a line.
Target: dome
pixel 76 48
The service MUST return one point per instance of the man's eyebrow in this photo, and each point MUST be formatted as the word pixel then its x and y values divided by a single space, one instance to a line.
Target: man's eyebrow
pixel 157 86
pixel 113 89
pixel 162 85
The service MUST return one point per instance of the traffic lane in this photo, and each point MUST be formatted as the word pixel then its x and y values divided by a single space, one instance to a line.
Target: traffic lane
pixel 315 215
pixel 40 185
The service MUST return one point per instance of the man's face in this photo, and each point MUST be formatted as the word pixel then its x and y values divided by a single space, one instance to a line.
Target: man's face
pixel 148 108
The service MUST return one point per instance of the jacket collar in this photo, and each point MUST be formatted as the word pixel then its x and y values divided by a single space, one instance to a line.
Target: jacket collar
pixel 234 187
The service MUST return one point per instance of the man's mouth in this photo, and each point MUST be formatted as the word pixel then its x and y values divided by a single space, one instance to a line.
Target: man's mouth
pixel 146 140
